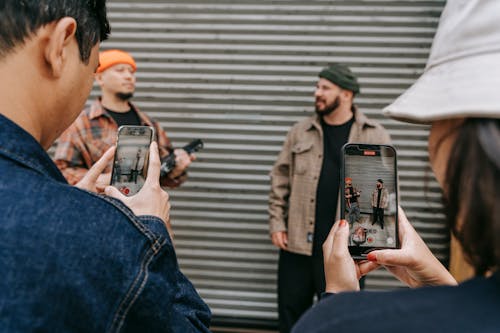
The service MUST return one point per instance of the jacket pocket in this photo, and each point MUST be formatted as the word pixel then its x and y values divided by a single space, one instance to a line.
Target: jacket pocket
pixel 301 157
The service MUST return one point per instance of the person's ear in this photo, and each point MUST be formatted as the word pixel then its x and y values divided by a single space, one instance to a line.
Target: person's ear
pixel 57 48
pixel 98 79
pixel 346 95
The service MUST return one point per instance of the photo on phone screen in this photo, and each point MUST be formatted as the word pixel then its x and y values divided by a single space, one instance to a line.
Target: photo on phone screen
pixel 370 200
pixel 130 164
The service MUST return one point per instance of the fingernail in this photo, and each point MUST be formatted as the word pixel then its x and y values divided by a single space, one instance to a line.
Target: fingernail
pixel 371 257
pixel 342 223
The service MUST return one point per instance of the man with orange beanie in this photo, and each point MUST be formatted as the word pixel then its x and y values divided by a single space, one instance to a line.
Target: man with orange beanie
pixel 94 131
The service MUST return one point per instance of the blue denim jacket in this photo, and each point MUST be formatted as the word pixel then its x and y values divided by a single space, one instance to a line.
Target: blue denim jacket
pixel 73 261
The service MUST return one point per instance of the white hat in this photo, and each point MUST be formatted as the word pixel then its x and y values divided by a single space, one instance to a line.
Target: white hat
pixel 462 76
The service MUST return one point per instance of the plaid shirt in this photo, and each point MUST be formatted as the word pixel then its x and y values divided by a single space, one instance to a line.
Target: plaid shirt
pixel 94 132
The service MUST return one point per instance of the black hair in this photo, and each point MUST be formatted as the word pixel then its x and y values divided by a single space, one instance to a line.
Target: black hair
pixel 472 191
pixel 19 19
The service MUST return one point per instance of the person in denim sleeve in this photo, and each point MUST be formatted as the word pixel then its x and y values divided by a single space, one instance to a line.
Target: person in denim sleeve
pixel 72 260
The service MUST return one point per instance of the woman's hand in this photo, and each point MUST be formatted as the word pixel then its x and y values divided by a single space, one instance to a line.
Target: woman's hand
pixel 342 273
pixel 413 264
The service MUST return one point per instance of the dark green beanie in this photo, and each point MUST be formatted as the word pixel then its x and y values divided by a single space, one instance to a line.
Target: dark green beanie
pixel 341 75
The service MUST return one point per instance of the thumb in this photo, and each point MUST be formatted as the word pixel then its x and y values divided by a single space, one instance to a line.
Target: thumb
pixel 113 192
pixel 388 257
pixel 341 240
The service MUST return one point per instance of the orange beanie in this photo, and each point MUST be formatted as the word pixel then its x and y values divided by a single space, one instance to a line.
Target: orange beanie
pixel 112 57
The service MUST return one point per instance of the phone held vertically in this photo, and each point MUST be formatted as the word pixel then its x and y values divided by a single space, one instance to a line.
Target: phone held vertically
pixel 370 197
pixel 130 164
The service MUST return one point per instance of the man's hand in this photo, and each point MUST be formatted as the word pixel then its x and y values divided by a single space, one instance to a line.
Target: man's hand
pixel 182 161
pixel 94 180
pixel 151 199
pixel 102 181
pixel 280 239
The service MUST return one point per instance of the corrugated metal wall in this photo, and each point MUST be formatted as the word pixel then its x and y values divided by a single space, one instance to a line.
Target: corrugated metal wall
pixel 238 74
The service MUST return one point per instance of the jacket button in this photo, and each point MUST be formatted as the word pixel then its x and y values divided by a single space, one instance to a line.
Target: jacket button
pixel 312 199
pixel 320 156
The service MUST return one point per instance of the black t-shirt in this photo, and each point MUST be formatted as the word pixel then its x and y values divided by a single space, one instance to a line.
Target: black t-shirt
pixel 327 193
pixel 125 118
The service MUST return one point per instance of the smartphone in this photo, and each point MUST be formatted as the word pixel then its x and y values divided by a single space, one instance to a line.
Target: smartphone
pixel 130 163
pixel 370 197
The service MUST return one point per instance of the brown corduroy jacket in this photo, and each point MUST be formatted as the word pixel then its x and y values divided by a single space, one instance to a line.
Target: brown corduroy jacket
pixel 294 177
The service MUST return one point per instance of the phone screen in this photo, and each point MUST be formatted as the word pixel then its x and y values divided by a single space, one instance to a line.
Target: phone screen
pixel 131 158
pixel 370 199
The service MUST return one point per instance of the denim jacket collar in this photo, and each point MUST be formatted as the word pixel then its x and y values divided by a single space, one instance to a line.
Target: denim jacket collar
pixel 18 145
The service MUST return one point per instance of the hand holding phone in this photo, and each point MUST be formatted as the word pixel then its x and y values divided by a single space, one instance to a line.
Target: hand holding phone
pixel 413 264
pixel 151 199
pixel 342 273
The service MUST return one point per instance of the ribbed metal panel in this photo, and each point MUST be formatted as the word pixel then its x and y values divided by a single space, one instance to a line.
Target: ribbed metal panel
pixel 238 74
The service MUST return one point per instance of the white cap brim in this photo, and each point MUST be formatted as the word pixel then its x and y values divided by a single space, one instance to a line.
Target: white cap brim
pixel 462 88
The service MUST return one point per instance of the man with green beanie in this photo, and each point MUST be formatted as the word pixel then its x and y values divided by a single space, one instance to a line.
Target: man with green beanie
pixel 304 196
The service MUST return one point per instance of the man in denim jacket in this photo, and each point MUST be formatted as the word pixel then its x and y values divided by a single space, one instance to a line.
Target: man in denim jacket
pixel 72 260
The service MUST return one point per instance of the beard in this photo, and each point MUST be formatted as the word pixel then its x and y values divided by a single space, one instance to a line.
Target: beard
pixel 329 108
pixel 124 96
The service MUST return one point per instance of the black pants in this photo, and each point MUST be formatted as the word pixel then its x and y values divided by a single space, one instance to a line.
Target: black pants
pixel 378 216
pixel 300 277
